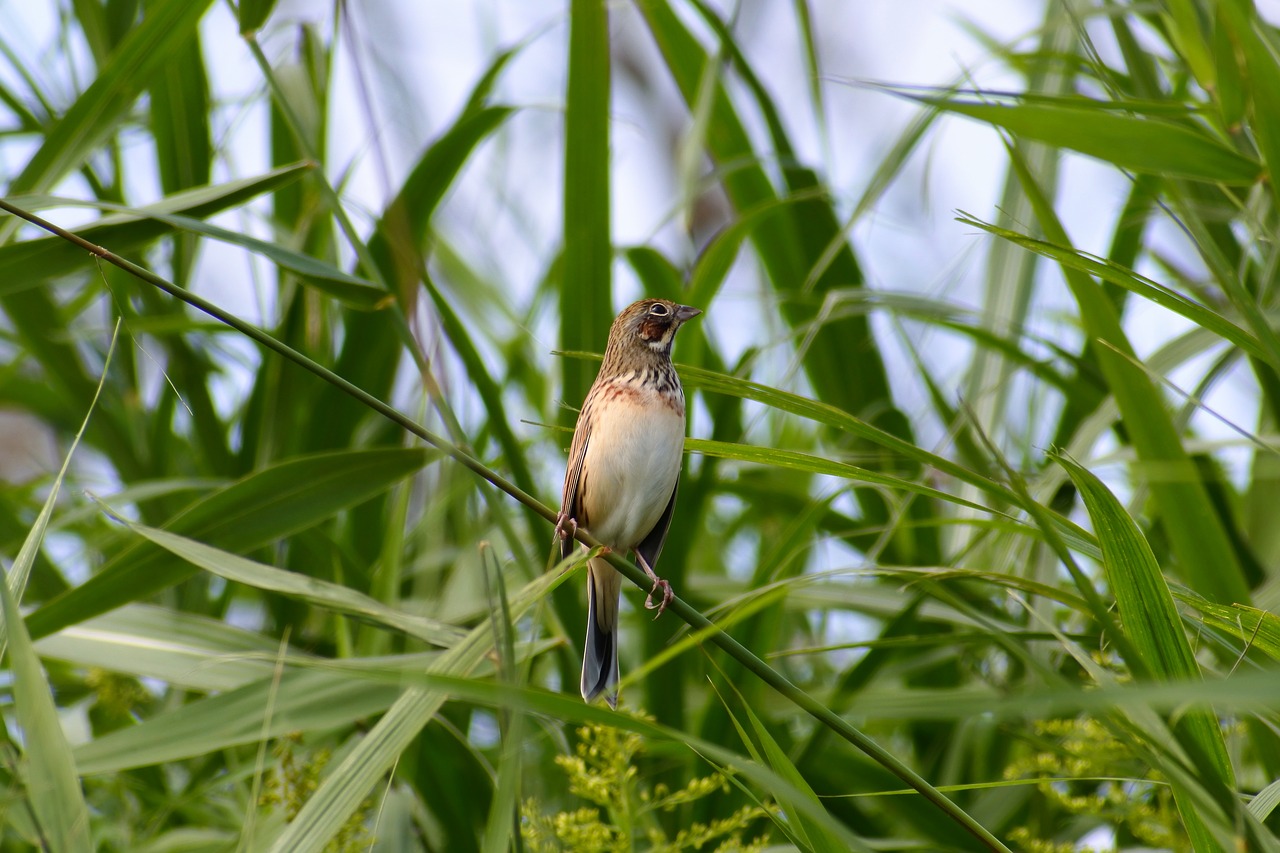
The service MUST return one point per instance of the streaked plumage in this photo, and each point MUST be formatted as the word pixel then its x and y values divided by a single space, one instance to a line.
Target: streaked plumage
pixel 624 465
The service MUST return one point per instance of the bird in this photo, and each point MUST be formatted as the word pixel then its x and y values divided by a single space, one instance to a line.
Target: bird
pixel 623 469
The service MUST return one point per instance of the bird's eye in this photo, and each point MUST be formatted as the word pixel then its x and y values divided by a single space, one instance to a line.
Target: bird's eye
pixel 657 309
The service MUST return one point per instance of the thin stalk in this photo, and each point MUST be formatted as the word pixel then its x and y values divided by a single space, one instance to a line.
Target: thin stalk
pixel 694 618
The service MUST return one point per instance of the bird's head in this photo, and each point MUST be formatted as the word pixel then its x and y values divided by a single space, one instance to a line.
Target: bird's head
pixel 651 324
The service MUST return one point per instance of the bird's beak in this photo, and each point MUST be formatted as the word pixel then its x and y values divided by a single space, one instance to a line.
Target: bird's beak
pixel 686 312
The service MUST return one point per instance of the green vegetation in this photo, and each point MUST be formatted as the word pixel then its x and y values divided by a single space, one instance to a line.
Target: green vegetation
pixel 292 588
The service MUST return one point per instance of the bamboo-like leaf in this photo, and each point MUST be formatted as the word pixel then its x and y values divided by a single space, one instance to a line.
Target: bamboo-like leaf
pixel 263 507
pixel 764 749
pixel 586 295
pixel 1265 801
pixel 49 775
pixel 19 573
pixel 1134 283
pixel 660 276
pixel 817 465
pixel 1147 145
pixel 1253 627
pixel 323 594
pixel 253 14
pixel 300 701
pixel 179 648
pixel 180 119
pixel 823 413
pixel 1194 528
pixel 351 290
pixel 502 821
pixel 398 239
pixel 1183 18
pixel 1254 45
pixel 133 65
pixel 349 783
pixel 1147 611
pixel 30 263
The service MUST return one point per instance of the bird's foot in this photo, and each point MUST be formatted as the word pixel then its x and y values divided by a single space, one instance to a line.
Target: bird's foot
pixel 566 527
pixel 667 595
pixel 658 584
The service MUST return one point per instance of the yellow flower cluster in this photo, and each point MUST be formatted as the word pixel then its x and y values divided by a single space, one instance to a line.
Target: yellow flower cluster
pixel 1087 771
pixel 292 782
pixel 602 772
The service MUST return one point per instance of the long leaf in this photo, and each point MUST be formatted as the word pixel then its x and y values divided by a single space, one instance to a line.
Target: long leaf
pixel 1147 611
pixel 1135 283
pixel 29 263
pixel 262 508
pixel 50 777
pixel 301 701
pixel 349 783
pixel 586 296
pixel 1146 145
pixel 1194 528
pixel 330 596
pixel 166 26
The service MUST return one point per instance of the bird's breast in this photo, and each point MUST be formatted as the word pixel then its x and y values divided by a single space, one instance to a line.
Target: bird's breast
pixel 632 464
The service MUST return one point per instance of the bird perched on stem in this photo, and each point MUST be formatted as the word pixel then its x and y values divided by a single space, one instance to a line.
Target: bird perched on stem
pixel 624 464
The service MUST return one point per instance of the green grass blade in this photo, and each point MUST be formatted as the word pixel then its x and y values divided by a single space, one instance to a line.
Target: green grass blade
pixel 1146 608
pixel 1145 145
pixel 1135 283
pixel 49 774
pixel 764 748
pixel 323 594
pixel 1253 46
pixel 794 461
pixel 301 701
pixel 30 263
pixel 253 14
pixel 180 119
pixel 134 64
pixel 503 821
pixel 586 295
pixel 350 290
pixel 820 412
pixel 20 572
pixel 1194 528
pixel 261 508
pixel 403 229
pixel 349 783
pixel 1265 801
pixel 177 647
pixel 1254 628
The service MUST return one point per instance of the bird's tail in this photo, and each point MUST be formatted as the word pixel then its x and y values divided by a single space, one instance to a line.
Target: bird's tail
pixel 600 660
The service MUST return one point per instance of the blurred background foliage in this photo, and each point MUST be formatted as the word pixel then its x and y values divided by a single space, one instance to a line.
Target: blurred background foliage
pixel 1021 536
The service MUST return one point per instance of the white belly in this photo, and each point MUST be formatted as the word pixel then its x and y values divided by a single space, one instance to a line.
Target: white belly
pixel 632 464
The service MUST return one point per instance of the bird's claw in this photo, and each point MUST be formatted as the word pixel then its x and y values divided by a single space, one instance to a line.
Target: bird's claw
pixel 667 595
pixel 566 527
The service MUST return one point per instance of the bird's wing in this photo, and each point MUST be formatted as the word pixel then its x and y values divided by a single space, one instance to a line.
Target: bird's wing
pixel 651 546
pixel 574 482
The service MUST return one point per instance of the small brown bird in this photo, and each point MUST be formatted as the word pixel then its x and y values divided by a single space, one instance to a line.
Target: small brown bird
pixel 624 464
